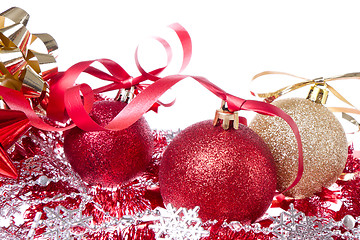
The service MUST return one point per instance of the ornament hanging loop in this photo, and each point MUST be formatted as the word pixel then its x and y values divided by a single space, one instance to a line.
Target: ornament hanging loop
pixel 318 92
pixel 226 117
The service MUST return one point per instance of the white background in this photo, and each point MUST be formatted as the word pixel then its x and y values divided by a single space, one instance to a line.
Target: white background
pixel 232 41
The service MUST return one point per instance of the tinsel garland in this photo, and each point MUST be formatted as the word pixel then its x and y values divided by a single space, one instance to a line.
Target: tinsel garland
pixel 49 201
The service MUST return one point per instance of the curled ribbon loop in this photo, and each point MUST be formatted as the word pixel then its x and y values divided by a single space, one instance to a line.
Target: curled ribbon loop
pixel 21 67
pixel 118 77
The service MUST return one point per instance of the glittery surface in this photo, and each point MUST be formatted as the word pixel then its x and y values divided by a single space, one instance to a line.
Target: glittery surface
pixel 109 157
pixel 324 145
pixel 228 174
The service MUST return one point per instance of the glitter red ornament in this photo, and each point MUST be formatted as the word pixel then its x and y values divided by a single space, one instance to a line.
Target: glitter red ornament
pixel 229 174
pixel 109 158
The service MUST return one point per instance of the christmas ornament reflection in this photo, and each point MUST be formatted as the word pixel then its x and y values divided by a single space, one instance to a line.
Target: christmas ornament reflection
pixel 229 173
pixel 323 137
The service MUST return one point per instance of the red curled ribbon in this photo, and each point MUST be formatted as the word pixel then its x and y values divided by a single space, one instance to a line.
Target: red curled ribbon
pixel 120 78
pixel 78 111
pixel 77 107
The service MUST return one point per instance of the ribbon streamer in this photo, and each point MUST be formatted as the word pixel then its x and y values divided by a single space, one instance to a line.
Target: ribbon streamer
pixel 78 108
pixel 118 76
pixel 21 67
pixel 62 82
pixel 65 96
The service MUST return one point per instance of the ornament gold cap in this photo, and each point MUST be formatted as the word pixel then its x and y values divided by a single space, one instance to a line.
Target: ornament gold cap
pixel 227 117
pixel 318 93
pixel 126 94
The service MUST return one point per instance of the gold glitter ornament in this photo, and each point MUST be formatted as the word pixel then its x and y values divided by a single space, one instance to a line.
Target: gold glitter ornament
pixel 324 145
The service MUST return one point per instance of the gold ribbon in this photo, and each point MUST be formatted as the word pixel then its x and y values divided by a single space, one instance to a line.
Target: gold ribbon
pixel 351 120
pixel 271 96
pixel 21 66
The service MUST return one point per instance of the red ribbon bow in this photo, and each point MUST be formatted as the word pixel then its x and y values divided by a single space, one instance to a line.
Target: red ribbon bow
pixel 62 86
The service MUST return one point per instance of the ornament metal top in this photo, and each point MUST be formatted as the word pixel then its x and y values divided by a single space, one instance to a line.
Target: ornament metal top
pixel 228 118
pixel 318 92
pixel 125 95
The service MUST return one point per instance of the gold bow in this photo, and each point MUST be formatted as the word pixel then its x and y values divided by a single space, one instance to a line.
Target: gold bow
pixel 21 67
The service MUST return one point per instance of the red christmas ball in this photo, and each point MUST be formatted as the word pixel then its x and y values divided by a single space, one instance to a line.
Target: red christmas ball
pixel 109 158
pixel 229 174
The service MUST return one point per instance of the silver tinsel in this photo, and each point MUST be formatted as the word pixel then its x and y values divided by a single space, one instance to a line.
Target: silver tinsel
pixel 60 222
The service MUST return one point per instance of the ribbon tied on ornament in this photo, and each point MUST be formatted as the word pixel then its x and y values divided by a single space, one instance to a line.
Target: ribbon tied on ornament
pixel 63 91
pixel 64 99
pixel 74 102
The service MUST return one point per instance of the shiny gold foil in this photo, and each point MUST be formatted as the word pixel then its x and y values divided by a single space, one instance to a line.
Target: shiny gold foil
pixel 21 67
pixel 318 94
pixel 16 15
pixel 324 145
